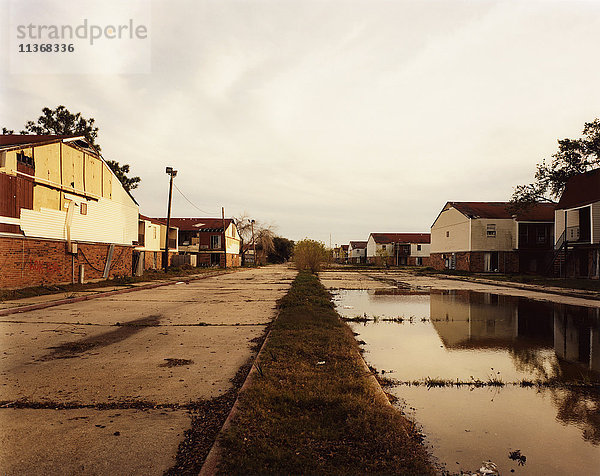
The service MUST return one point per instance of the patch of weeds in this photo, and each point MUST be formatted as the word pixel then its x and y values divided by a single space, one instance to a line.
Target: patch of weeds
pixel 176 362
pixel 435 382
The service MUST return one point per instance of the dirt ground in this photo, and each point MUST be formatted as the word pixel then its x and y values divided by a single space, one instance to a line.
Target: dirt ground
pixel 107 386
pixel 378 279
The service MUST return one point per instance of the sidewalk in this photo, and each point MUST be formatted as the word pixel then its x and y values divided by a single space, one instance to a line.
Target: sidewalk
pixel 571 292
pixel 48 300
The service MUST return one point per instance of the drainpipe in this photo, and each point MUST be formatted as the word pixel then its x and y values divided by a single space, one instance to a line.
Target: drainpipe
pixel 68 221
pixel 566 243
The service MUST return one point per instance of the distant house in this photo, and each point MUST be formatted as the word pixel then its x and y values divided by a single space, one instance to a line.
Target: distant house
pixel 340 254
pixel 344 253
pixel 64 215
pixel 577 227
pixel 151 243
pixel 214 241
pixel 486 237
pixel 357 252
pixel 398 249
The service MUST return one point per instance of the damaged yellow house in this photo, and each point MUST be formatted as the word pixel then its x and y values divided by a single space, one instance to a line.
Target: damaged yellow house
pixel 63 212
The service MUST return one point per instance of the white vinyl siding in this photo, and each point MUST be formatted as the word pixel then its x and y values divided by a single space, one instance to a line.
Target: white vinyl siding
pixel 106 221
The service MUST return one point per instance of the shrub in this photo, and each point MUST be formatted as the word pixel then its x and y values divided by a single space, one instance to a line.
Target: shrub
pixel 310 255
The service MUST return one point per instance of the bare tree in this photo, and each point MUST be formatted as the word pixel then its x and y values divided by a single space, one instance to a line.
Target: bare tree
pixel 264 235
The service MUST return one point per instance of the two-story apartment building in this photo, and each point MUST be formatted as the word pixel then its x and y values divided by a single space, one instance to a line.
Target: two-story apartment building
pixel 399 249
pixel 215 241
pixel 339 254
pixel 357 252
pixel 151 244
pixel 487 237
pixel 577 227
pixel 64 215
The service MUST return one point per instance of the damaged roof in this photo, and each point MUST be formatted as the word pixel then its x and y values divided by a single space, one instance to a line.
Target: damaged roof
pixel 200 224
pixel 11 141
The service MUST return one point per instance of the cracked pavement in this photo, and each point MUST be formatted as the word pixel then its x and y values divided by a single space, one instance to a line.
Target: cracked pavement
pixel 104 386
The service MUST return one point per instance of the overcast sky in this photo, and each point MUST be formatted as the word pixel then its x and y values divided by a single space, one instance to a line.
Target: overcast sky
pixel 336 118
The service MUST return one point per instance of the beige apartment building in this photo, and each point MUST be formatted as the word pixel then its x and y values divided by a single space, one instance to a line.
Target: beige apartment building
pixel 487 237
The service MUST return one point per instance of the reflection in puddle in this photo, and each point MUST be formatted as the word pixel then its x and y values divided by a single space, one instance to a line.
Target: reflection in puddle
pixel 464 335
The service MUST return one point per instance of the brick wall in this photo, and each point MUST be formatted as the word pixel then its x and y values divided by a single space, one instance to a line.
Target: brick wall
pixel 436 261
pixel 32 262
pixel 474 261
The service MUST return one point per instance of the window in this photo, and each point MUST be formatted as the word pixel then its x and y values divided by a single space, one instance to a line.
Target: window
pixel 215 242
pixel 541 236
pixel 25 160
pixel 418 247
pixel 419 261
pixel 83 208
pixel 491 230
pixel 447 234
pixel 154 228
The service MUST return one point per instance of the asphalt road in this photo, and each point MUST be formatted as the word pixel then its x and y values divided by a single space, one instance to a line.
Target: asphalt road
pixel 104 386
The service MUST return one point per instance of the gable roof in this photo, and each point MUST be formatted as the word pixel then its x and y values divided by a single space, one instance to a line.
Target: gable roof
pixel 199 224
pixel 17 141
pixel 358 245
pixel 581 189
pixel 383 238
pixel 13 141
pixel 156 221
pixel 499 210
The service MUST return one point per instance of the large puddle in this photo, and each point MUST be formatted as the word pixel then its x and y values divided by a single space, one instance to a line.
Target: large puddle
pixel 489 376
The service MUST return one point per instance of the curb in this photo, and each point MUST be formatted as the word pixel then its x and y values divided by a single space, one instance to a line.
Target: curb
pixel 529 287
pixel 211 463
pixel 58 302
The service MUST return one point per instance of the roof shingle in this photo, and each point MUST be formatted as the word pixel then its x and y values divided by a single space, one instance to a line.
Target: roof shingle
pixel 580 190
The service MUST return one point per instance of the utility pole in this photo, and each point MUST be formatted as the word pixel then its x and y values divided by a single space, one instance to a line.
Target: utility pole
pixel 253 242
pixel 172 173
pixel 224 239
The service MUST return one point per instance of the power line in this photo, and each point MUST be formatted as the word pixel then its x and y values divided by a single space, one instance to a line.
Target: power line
pixel 190 202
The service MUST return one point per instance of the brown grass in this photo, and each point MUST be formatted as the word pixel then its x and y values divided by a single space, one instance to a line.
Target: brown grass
pixel 312 407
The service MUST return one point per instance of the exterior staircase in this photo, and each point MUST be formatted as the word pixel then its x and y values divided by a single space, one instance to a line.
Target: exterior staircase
pixel 559 260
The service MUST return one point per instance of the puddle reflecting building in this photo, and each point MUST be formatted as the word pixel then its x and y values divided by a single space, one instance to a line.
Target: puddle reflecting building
pixel 469 320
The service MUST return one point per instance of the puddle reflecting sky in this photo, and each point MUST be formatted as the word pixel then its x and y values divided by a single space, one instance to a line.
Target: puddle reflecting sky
pixel 463 334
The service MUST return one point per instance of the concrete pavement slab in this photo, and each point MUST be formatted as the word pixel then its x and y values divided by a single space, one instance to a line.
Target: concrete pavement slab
pixel 83 441
pixel 98 364
pixel 160 353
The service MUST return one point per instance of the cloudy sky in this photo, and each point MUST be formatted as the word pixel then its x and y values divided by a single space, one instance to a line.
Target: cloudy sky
pixel 335 118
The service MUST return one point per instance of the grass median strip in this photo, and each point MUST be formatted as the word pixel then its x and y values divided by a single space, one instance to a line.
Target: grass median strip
pixel 311 407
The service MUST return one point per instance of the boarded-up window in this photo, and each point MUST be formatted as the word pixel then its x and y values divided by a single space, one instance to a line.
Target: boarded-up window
pixel 83 208
pixel 15 193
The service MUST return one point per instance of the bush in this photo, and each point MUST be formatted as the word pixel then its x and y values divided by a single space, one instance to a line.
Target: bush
pixel 310 255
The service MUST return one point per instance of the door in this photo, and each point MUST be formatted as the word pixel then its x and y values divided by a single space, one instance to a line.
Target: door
pixel 585 228
pixel 490 261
